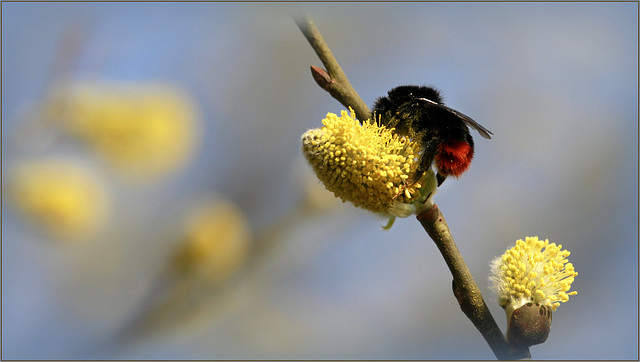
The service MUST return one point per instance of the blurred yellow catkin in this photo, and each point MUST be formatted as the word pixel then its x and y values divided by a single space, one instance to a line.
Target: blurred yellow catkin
pixel 216 241
pixel 141 129
pixel 60 196
pixel 214 245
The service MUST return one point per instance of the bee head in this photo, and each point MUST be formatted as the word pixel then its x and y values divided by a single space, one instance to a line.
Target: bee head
pixel 410 92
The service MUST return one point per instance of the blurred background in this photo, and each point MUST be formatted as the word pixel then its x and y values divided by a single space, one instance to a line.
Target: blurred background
pixel 157 205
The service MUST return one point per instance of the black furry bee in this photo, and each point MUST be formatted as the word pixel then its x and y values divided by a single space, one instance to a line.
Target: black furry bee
pixel 418 113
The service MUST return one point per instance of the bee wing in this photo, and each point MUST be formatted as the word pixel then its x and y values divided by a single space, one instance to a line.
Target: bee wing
pixel 468 120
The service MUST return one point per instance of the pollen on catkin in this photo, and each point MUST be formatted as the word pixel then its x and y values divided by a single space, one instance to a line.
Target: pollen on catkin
pixel 533 271
pixel 365 164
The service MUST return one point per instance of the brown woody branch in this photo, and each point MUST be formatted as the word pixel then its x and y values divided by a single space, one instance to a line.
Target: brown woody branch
pixel 333 80
pixel 465 288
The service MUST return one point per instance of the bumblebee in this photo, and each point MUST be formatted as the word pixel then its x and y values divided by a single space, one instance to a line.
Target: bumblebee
pixel 443 133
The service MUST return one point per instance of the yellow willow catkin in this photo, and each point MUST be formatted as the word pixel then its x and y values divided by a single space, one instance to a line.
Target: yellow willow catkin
pixel 365 164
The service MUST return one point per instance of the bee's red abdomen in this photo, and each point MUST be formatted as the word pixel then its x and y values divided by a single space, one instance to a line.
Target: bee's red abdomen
pixel 453 157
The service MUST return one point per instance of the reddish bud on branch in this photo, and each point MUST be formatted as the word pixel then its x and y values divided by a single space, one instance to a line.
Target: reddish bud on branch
pixel 321 77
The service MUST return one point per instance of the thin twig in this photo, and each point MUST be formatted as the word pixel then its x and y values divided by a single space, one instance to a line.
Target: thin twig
pixel 333 80
pixel 464 287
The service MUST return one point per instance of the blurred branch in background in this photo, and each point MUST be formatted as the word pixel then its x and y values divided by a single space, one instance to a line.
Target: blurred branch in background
pixel 33 132
pixel 144 132
pixel 212 247
pixel 217 263
pixel 70 48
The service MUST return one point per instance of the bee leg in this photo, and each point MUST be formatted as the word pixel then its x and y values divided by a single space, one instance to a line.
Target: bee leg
pixel 429 153
pixel 415 178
